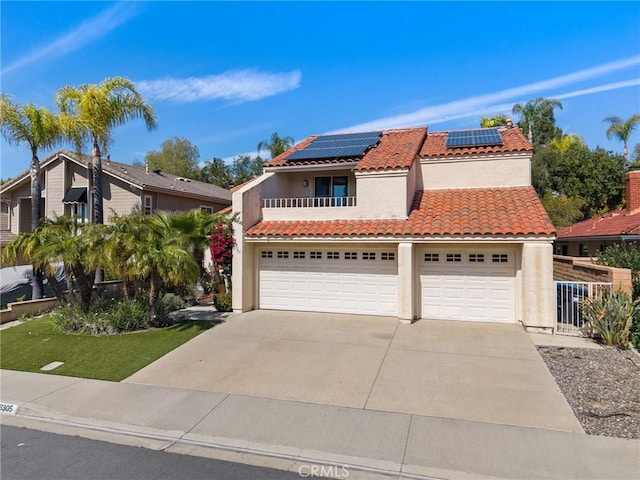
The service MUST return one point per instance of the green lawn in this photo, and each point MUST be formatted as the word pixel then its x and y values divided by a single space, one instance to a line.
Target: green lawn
pixel 37 342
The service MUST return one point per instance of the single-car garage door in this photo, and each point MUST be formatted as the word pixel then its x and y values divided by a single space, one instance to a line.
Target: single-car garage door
pixel 468 285
pixel 338 280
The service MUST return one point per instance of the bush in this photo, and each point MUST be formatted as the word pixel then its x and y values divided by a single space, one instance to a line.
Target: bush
pixel 222 302
pixel 624 255
pixel 169 303
pixel 635 332
pixel 105 316
pixel 610 316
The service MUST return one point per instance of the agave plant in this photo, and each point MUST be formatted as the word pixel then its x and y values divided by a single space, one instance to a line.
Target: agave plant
pixel 610 317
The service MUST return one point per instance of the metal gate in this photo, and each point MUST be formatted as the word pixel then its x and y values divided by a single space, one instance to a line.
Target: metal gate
pixel 569 299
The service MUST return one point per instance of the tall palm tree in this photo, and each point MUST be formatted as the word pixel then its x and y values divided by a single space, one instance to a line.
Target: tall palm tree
pixel 535 115
pixel 38 128
pixel 495 121
pixel 90 112
pixel 622 129
pixel 276 144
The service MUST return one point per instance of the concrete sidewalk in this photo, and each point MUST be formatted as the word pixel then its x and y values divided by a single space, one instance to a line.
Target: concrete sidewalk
pixel 288 434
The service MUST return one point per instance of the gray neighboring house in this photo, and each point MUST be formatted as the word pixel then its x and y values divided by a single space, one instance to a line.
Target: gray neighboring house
pixel 67 183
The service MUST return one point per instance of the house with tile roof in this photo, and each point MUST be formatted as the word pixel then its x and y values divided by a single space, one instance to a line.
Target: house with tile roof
pixel 587 238
pixel 66 179
pixel 403 223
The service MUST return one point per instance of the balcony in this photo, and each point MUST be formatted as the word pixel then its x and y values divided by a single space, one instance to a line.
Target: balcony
pixel 309 202
pixel 309 208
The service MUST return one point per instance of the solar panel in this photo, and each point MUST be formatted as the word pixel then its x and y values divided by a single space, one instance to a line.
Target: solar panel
pixel 474 138
pixel 341 145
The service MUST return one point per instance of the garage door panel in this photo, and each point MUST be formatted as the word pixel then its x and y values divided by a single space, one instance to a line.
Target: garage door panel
pixel 342 286
pixel 480 287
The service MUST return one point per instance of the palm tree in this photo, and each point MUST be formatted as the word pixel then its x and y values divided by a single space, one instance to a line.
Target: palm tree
pixel 38 128
pixel 276 144
pixel 622 129
pixel 538 115
pixel 90 113
pixel 564 143
pixel 495 121
pixel 162 257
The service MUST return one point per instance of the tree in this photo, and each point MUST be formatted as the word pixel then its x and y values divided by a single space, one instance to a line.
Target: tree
pixel 178 156
pixel 622 130
pixel 38 128
pixel 244 168
pixel 596 175
pixel 565 142
pixel 537 120
pixel 217 172
pixel 563 211
pixel 495 121
pixel 624 255
pixel 90 112
pixel 276 144
pixel 162 258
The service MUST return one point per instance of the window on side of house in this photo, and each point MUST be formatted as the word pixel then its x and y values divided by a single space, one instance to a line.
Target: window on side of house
pixel 148 204
pixel 79 211
pixel 209 210
pixel 583 250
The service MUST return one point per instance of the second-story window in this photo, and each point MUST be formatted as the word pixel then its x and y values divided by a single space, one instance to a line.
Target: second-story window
pixel 333 189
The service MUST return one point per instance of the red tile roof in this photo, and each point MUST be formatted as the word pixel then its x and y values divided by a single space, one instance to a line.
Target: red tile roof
pixel 612 224
pixel 512 138
pixel 398 149
pixel 481 211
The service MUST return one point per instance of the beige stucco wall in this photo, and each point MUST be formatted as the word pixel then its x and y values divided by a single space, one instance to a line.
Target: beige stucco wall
pixel 247 201
pixel 538 290
pixel 382 195
pixel 476 172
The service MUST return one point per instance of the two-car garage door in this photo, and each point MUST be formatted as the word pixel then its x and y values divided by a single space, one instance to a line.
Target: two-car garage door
pixel 340 280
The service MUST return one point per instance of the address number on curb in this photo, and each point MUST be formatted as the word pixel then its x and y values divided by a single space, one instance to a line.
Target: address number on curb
pixel 9 408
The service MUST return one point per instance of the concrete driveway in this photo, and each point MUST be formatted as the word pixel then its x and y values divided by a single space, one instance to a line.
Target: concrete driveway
pixel 462 370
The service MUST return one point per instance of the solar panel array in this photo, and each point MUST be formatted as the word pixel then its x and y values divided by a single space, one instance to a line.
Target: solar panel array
pixel 474 138
pixel 343 145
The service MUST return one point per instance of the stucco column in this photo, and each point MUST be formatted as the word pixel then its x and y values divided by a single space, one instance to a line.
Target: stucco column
pixel 538 292
pixel 243 274
pixel 406 290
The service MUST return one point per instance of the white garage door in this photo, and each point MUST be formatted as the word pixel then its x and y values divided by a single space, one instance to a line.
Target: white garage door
pixel 468 285
pixel 338 280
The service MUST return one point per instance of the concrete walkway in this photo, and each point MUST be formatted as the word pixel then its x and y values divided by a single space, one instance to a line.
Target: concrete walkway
pixel 289 435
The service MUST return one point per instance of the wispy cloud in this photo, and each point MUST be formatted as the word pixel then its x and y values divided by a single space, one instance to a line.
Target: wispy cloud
pixel 88 31
pixel 495 102
pixel 236 85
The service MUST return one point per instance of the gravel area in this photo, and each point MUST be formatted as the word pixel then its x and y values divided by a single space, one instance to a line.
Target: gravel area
pixel 602 386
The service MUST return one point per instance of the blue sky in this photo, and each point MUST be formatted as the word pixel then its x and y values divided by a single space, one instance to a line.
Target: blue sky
pixel 227 75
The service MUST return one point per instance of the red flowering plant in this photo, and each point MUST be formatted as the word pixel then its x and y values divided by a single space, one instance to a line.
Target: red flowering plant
pixel 221 248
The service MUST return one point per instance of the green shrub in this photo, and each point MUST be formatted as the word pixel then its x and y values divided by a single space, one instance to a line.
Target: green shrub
pixel 610 317
pixel 104 316
pixel 222 302
pixel 635 332
pixel 169 303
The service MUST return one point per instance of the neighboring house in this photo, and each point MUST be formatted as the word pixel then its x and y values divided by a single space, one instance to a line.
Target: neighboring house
pixel 400 223
pixel 66 179
pixel 587 238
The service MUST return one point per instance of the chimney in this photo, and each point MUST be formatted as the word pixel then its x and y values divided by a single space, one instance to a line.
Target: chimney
pixel 509 123
pixel 146 167
pixel 108 157
pixel 633 190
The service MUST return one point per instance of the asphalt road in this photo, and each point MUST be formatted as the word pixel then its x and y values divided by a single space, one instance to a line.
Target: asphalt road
pixel 34 455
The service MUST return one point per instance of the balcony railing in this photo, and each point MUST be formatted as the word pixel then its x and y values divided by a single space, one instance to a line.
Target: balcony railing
pixel 309 202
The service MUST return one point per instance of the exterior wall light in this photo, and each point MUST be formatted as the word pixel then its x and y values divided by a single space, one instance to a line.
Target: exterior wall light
pixel 305 183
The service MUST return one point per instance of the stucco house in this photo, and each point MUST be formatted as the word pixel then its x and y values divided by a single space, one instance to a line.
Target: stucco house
pixel 404 223
pixel 66 179
pixel 587 238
